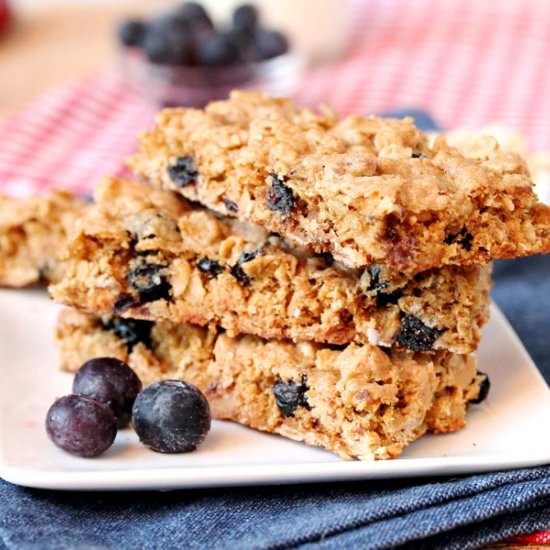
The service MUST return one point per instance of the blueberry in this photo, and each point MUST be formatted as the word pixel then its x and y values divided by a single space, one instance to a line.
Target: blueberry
pixel 124 303
pixel 109 381
pixel 279 196
pixel 168 41
pixel 269 44
pixel 81 426
pixel 326 257
pixel 463 238
pixel 171 22
pixel 243 40
pixel 391 228
pixel 194 13
pixel 238 272
pixel 466 241
pixel 376 284
pixel 210 267
pixel 157 48
pixel 248 255
pixel 484 388
pixel 147 279
pixel 131 32
pixel 217 50
pixel 183 171
pixel 245 17
pixel 451 238
pixel 231 206
pixel 291 395
pixel 385 299
pixel 415 335
pixel 132 331
pixel 171 416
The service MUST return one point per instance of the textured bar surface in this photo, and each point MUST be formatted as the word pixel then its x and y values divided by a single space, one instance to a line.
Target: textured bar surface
pixel 145 253
pixel 32 232
pixel 358 401
pixel 365 189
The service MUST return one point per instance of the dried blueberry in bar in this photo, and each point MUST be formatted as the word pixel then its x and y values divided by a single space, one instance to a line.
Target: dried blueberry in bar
pixel 147 254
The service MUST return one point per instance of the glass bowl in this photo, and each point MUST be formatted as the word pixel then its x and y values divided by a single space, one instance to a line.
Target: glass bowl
pixel 193 86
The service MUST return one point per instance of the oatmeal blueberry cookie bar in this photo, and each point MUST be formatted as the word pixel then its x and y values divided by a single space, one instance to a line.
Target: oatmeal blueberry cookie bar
pixel 365 189
pixel 356 401
pixel 32 232
pixel 145 253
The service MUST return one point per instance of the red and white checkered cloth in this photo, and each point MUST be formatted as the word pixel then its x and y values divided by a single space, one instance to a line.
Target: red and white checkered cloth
pixel 467 62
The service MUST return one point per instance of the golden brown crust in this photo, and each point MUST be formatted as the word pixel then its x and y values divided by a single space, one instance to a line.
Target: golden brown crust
pixel 358 401
pixel 366 189
pixel 276 293
pixel 32 232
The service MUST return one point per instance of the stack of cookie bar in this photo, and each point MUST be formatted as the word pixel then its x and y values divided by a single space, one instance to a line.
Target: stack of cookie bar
pixel 324 279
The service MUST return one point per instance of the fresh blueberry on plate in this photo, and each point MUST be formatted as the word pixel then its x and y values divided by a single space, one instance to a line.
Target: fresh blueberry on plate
pixel 110 381
pixel 81 426
pixel 171 416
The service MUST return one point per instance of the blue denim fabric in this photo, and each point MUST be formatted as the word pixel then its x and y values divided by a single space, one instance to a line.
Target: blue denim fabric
pixel 422 120
pixel 461 512
pixel 458 513
pixel 522 290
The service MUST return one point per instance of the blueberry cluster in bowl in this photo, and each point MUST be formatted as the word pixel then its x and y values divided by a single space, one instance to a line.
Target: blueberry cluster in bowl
pixel 187 37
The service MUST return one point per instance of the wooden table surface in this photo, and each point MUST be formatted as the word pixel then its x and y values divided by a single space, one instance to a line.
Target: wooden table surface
pixel 47 46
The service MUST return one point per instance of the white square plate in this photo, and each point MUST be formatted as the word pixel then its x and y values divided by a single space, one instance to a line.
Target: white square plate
pixel 503 432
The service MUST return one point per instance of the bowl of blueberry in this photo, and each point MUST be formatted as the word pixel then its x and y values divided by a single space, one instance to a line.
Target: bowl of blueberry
pixel 181 57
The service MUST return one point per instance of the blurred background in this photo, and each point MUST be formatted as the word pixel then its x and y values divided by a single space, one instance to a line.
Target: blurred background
pixel 82 78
